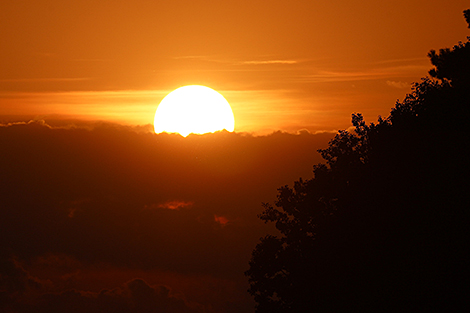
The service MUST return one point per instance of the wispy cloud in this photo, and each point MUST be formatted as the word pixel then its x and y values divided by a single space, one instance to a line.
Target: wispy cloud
pixel 55 79
pixel 222 220
pixel 404 60
pixel 205 57
pixel 124 106
pixel 175 205
pixel 93 60
pixel 398 84
pixel 334 76
pixel 377 73
pixel 271 62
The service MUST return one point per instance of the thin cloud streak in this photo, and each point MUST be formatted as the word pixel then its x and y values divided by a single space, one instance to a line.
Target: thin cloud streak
pixel 175 205
pixel 414 60
pixel 27 80
pixel 127 106
pixel 271 62
pixel 339 76
pixel 398 84
pixel 330 76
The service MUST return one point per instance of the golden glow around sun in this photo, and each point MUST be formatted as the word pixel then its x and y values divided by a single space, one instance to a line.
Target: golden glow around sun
pixel 193 109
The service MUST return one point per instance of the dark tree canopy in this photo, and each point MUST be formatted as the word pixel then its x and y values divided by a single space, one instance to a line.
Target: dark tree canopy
pixel 382 226
pixel 452 64
pixel 466 14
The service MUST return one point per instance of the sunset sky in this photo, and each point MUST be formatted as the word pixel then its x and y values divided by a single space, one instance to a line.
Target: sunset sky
pixel 98 211
pixel 281 65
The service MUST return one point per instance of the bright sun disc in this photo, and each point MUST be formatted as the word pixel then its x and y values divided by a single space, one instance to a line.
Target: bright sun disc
pixel 193 109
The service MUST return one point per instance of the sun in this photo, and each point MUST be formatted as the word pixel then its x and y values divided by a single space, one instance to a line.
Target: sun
pixel 193 109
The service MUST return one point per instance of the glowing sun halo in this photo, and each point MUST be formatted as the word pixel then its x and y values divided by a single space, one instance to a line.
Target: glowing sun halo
pixel 193 109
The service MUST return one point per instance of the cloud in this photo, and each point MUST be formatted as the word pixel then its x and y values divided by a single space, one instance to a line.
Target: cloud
pixel 405 60
pixel 399 70
pixel 271 62
pixel 337 76
pixel 398 84
pixel 50 79
pixel 21 292
pixel 138 296
pixel 34 121
pixel 74 199
pixel 133 296
pixel 222 220
pixel 175 205
pixel 134 107
pixel 14 279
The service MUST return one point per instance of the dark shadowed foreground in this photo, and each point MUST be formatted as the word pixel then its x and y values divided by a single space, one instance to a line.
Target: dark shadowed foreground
pixel 383 226
pixel 112 220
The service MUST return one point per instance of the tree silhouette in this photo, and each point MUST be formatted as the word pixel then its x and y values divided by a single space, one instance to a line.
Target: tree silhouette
pixel 466 14
pixel 452 64
pixel 382 226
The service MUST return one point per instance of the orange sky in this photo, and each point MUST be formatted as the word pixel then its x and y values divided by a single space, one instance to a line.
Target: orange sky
pixel 111 211
pixel 282 65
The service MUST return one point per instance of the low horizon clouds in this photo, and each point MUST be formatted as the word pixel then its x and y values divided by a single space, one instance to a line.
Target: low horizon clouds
pixel 90 208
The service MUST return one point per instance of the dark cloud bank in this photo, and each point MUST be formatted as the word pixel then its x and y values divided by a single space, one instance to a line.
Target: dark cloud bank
pixel 114 220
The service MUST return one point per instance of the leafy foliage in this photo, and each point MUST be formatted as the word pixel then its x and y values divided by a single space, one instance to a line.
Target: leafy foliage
pixel 382 225
pixel 466 14
pixel 452 64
